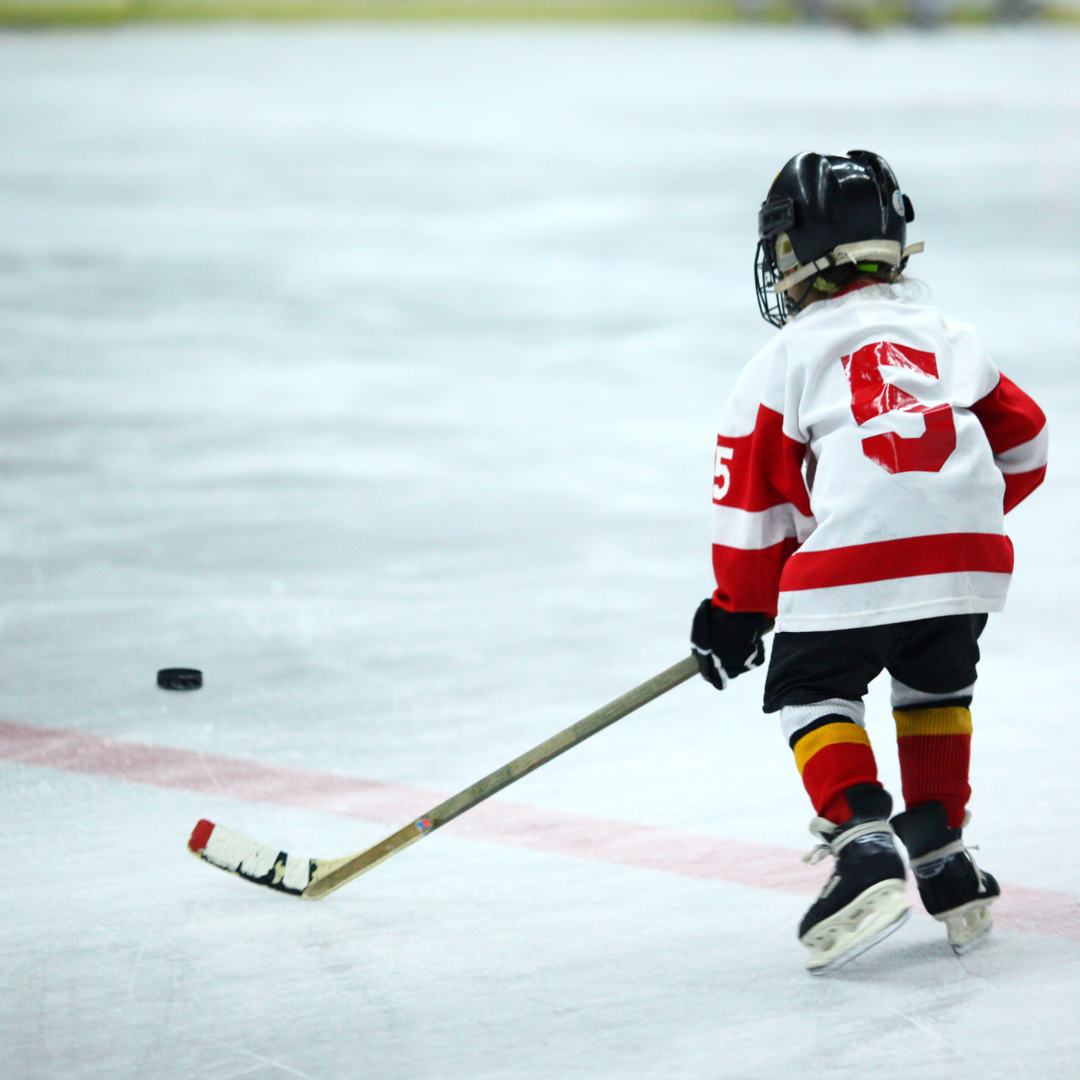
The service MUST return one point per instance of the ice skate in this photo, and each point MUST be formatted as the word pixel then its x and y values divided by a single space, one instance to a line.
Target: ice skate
pixel 863 901
pixel 953 889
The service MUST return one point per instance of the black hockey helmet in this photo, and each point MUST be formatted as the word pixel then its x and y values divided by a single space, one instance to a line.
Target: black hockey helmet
pixel 824 211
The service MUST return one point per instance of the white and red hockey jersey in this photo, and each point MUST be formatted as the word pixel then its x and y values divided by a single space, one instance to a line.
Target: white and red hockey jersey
pixel 864 466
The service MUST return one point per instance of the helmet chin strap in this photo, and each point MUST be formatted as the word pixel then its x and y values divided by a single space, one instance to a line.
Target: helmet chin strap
pixel 793 306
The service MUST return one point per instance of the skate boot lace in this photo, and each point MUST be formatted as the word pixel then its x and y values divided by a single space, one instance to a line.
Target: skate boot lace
pixel 933 862
pixel 832 843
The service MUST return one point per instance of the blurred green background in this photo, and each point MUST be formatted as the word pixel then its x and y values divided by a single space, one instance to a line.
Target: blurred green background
pixel 858 14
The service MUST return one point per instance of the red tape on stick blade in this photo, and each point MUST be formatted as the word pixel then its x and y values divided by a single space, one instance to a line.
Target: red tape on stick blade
pixel 200 836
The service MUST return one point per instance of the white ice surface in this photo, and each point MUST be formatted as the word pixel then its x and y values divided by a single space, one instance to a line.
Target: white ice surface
pixel 375 371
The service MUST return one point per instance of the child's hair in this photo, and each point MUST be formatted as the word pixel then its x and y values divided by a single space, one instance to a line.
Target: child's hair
pixel 837 278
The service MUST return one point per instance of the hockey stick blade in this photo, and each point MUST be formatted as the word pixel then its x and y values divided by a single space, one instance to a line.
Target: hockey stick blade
pixel 249 859
pixel 313 878
pixel 292 874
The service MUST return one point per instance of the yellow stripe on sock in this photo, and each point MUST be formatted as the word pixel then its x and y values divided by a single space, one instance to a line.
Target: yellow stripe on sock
pixel 828 735
pixel 951 721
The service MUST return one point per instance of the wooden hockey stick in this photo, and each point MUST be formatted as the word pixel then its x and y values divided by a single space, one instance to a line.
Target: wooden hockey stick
pixel 313 878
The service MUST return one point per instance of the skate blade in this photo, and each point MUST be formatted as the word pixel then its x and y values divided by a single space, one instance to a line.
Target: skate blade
pixel 868 919
pixel 968 925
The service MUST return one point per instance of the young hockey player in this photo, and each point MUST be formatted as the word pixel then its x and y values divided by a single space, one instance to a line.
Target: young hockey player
pixel 865 463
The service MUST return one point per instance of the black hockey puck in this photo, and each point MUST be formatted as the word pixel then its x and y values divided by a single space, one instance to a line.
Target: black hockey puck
pixel 179 678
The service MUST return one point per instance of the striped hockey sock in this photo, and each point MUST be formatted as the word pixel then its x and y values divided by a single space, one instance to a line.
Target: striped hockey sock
pixel 833 753
pixel 935 750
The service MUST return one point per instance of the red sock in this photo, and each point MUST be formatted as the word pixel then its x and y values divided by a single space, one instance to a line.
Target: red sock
pixel 832 756
pixel 935 750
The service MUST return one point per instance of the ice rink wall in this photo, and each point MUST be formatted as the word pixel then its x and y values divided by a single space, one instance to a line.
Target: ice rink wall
pixel 858 14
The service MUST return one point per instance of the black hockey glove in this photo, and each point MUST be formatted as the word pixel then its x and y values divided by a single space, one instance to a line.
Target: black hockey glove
pixel 727 644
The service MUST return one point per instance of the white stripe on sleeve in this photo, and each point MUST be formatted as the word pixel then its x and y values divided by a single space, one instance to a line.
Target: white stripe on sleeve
pixel 753 530
pixel 1027 456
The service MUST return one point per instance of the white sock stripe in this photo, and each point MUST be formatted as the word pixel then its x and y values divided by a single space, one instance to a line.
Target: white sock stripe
pixel 794 717
pixel 904 696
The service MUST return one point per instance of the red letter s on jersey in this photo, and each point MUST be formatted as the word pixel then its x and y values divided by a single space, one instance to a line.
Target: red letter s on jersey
pixel 871 396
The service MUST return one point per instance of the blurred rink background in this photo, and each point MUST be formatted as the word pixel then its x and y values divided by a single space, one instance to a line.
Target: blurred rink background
pixel 374 368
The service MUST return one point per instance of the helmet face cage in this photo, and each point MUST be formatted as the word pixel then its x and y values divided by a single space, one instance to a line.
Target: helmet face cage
pixel 776 216
pixel 771 304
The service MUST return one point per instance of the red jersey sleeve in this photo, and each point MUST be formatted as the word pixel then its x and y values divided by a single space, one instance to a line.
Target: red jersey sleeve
pixel 1016 429
pixel 761 511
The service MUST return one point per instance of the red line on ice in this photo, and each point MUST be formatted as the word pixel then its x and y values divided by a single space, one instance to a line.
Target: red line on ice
pixel 619 842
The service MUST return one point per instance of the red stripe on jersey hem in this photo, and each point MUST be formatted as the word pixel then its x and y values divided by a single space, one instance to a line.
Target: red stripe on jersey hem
pixel 916 556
